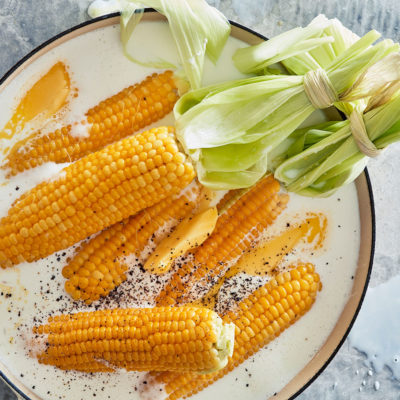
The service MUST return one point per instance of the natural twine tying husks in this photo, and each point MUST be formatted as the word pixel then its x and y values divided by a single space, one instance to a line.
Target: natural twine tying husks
pixel 319 89
pixel 322 94
pixel 360 135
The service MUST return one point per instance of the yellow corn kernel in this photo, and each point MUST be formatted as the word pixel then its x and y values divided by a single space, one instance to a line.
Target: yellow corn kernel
pixel 87 174
pixel 243 221
pixel 133 339
pixel 111 120
pixel 253 330
pixel 102 253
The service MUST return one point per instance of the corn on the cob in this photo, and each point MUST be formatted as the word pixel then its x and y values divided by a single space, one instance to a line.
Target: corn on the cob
pixel 96 269
pixel 113 119
pixel 228 199
pixel 92 194
pixel 152 339
pixel 245 220
pixel 259 318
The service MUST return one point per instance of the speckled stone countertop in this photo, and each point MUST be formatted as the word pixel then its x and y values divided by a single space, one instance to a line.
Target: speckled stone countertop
pixel 25 24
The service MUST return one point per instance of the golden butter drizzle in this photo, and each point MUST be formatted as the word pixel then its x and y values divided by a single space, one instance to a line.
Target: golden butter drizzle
pixel 265 258
pixel 47 96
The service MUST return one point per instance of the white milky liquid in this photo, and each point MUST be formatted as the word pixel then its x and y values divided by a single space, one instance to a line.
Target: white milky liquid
pixel 99 69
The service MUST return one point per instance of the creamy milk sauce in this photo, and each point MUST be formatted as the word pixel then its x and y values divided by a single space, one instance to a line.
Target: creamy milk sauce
pixel 31 292
pixel 275 250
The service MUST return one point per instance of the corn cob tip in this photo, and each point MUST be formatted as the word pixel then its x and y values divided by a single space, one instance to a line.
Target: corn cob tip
pixel 224 344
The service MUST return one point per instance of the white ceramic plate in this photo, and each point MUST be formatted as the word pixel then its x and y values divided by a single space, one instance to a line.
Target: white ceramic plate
pixel 98 69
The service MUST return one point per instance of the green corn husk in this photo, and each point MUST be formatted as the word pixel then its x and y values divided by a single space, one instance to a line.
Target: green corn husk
pixel 197 28
pixel 287 49
pixel 229 129
pixel 299 140
pixel 300 50
pixel 289 45
pixel 318 166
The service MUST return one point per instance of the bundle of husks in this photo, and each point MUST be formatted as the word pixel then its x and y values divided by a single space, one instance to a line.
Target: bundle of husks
pixel 236 131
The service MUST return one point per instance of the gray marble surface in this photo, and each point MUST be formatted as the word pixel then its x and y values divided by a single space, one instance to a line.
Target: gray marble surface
pixel 24 24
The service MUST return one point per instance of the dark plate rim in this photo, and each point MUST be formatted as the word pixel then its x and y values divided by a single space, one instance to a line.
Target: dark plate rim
pixel 367 177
